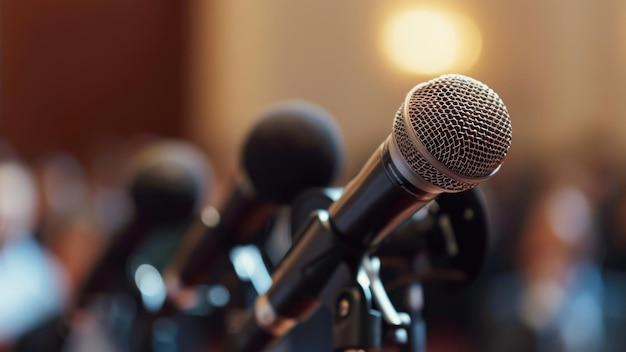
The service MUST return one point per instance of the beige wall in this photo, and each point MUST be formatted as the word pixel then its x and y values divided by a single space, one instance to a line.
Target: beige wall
pixel 558 65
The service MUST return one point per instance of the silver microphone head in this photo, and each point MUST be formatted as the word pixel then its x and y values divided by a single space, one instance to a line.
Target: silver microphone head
pixel 450 134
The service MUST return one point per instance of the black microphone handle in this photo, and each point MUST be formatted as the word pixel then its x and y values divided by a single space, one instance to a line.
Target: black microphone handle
pixel 242 218
pixel 111 265
pixel 300 278
pixel 376 201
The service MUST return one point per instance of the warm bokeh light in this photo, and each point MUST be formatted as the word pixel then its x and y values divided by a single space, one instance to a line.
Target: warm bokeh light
pixel 432 41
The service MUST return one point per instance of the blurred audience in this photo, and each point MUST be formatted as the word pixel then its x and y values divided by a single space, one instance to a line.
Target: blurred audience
pixel 554 298
pixel 34 285
pixel 66 222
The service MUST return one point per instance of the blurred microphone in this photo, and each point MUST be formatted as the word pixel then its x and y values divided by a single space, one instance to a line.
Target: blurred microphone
pixel 450 134
pixel 295 146
pixel 166 186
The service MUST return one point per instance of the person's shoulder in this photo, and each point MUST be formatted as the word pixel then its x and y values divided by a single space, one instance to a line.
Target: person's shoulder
pixel 614 293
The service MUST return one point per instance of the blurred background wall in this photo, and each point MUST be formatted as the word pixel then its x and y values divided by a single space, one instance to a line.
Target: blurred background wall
pixel 558 65
pixel 75 72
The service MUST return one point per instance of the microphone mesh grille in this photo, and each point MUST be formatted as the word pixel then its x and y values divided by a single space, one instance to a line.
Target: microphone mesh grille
pixel 462 123
pixel 417 162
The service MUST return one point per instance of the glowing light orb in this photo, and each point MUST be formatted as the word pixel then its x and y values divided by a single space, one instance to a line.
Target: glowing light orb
pixel 432 41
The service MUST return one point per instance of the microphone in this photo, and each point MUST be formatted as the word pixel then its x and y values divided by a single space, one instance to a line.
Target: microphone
pixel 167 181
pixel 449 134
pixel 295 145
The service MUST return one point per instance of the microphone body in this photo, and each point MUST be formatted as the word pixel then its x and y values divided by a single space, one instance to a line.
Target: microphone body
pixel 167 181
pixel 449 135
pixel 295 146
pixel 110 272
pixel 376 201
pixel 297 284
pixel 241 220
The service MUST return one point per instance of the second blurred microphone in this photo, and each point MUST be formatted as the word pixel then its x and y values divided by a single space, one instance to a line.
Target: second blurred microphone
pixel 294 146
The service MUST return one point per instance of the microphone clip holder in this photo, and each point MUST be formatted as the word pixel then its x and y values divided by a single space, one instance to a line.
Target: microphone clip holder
pixel 366 320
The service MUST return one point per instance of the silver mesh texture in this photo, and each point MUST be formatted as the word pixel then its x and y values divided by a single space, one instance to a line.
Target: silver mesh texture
pixel 417 162
pixel 461 123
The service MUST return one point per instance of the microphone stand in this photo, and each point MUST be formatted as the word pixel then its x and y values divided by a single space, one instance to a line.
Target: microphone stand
pixel 366 320
pixel 414 298
pixel 357 326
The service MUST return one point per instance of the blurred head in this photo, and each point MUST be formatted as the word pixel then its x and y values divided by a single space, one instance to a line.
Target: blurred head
pixel 559 234
pixel 18 201
pixel 64 185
